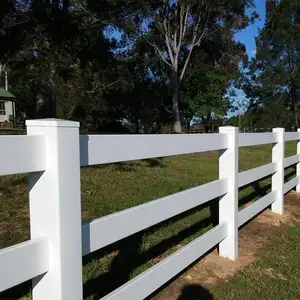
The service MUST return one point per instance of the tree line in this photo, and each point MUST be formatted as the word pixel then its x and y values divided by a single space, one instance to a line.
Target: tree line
pixel 144 64
pixel 272 79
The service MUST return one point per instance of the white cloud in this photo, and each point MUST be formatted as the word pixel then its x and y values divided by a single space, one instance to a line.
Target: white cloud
pixel 253 53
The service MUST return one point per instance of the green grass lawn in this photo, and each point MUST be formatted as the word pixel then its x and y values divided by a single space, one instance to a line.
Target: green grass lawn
pixel 274 275
pixel 111 188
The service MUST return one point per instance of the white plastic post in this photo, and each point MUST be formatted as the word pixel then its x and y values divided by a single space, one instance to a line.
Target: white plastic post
pixel 55 209
pixel 228 204
pixel 298 164
pixel 278 176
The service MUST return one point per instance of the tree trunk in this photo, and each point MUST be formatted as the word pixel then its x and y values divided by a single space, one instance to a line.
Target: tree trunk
pixel 175 104
pixel 94 120
pixel 52 105
pixel 296 115
pixel 137 126
pixel 188 125
pixel 52 95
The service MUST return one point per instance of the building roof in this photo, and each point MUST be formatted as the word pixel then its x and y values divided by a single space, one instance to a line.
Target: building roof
pixel 4 94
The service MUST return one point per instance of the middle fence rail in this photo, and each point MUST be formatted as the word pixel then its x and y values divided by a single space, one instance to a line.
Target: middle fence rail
pixel 52 153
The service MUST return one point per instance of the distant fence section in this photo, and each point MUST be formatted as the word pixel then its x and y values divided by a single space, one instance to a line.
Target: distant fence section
pixel 52 153
pixel 12 131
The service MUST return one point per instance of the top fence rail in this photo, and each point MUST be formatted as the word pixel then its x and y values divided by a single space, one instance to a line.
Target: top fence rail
pixel 253 139
pixel 291 136
pixel 102 149
pixel 26 154
pixel 22 154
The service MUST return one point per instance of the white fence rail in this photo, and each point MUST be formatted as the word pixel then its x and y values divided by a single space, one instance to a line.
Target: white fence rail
pixel 101 149
pixel 52 153
pixel 22 154
pixel 254 174
pixel 252 210
pixel 145 215
pixel 23 262
pixel 252 139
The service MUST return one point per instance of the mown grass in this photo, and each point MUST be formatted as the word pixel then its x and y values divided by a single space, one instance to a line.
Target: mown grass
pixel 274 275
pixel 111 188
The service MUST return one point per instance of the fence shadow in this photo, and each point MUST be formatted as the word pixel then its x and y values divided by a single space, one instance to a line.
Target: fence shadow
pixel 131 166
pixel 129 255
pixel 291 172
pixel 17 292
pixel 259 190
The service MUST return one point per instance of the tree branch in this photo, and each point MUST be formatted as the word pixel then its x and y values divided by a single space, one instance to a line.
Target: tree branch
pixel 167 38
pixel 166 109
pixel 185 21
pixel 187 60
pixel 168 43
pixel 196 40
pixel 175 29
pixel 2 67
pixel 158 51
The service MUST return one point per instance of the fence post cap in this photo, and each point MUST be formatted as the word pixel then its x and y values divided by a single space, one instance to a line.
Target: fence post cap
pixel 52 123
pixel 228 128
pixel 278 129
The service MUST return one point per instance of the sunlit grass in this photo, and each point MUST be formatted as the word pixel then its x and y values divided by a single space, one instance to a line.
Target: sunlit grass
pixel 111 188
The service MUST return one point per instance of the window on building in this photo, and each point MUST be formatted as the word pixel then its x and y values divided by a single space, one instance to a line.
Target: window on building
pixel 2 108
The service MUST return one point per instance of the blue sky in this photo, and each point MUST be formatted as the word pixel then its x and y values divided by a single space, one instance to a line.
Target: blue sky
pixel 247 37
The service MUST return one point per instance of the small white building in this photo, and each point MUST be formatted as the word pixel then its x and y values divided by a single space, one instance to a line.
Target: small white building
pixel 7 109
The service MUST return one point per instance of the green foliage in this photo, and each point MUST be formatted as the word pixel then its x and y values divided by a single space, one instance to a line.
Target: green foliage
pixel 272 83
pixel 64 61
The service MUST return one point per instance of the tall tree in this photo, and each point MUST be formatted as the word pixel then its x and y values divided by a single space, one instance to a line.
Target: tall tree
pixel 68 64
pixel 213 73
pixel 273 79
pixel 175 28
pixel 63 60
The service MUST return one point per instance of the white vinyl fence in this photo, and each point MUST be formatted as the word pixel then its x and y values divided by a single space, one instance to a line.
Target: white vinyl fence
pixel 52 153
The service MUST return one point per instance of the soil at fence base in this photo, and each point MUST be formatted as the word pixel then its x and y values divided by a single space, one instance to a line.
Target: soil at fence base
pixel 213 269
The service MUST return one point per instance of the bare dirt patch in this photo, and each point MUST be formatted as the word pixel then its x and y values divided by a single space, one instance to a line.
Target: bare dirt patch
pixel 213 269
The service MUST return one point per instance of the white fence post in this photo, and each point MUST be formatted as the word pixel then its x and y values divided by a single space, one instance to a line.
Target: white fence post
pixel 228 204
pixel 55 209
pixel 298 164
pixel 278 176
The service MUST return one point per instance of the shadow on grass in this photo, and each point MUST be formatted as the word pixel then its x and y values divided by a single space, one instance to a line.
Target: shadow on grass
pixel 195 292
pixel 128 254
pixel 130 257
pixel 290 173
pixel 131 166
pixel 259 190
pixel 17 292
